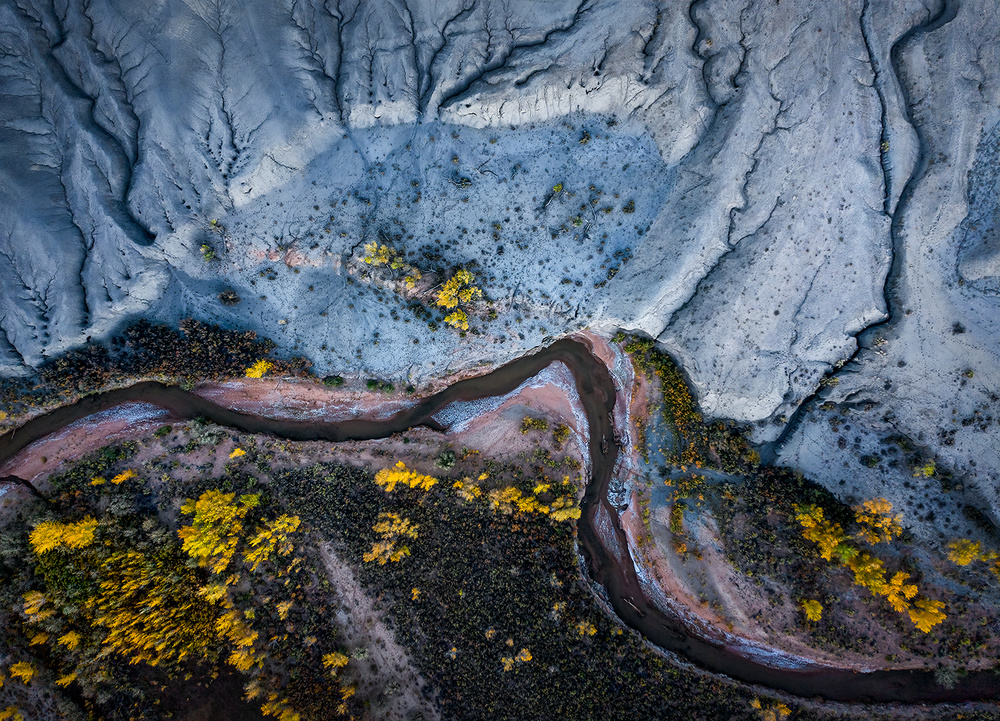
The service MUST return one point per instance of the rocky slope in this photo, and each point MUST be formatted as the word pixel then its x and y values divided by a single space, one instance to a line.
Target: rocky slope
pixel 769 189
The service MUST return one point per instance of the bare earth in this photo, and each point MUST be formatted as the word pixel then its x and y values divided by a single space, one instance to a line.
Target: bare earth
pixel 385 675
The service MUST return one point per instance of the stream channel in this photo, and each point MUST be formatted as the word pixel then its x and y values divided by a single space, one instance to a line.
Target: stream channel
pixel 601 538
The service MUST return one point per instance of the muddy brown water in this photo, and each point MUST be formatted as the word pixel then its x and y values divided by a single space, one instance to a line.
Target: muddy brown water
pixel 605 550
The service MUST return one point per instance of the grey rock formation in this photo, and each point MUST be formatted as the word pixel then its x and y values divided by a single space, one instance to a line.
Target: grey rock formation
pixel 931 373
pixel 770 189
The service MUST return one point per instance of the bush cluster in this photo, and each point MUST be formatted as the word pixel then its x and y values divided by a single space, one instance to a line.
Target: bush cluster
pixel 195 351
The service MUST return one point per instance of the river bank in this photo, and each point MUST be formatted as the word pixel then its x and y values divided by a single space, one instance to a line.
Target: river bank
pixel 603 542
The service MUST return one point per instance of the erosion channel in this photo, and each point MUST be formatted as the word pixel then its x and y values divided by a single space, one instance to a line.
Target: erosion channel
pixel 601 539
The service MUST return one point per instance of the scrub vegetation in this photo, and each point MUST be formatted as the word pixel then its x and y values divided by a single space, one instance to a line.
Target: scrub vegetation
pixel 455 294
pixel 116 591
pixel 194 352
pixel 716 444
pixel 851 575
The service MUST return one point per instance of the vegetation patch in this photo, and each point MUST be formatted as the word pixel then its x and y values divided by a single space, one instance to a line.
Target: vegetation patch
pixel 196 351
pixel 111 594
pixel 455 294
pixel 491 600
pixel 804 548
pixel 719 444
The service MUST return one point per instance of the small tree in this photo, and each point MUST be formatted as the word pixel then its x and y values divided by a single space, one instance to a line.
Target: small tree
pixel 391 528
pixel 963 551
pixel 813 609
pixel 877 522
pixel 216 527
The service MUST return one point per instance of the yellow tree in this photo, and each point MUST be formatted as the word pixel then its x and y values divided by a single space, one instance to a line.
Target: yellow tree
pixel 467 490
pixel 216 527
pixel 813 609
pixel 829 536
pixel 334 661
pixel 562 509
pixel 24 671
pixel 877 521
pixel 49 535
pixel 927 613
pixel 376 254
pixel 898 592
pixel 391 528
pixel 457 319
pixel 869 572
pixel 775 712
pixel 457 288
pixel 379 255
pixel 963 551
pixel 271 538
pixel 151 610
pixel 400 475
pixel 122 477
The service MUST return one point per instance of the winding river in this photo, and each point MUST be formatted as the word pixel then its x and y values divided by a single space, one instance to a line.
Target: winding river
pixel 601 538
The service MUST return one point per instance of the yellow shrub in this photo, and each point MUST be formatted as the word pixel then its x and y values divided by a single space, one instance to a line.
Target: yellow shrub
pixel 457 319
pixel 963 551
pixel 389 478
pixel 258 369
pixel 813 609
pixel 122 477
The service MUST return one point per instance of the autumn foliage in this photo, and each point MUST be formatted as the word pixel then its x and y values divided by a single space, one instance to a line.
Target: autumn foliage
pixel 194 351
pixel 458 289
pixel 216 527
pixel 813 609
pixel 258 369
pixel 116 589
pixel 963 552
pixel 876 524
pixel 50 535
pixel 377 254
pixel 392 531
pixel 400 475
pixel 876 521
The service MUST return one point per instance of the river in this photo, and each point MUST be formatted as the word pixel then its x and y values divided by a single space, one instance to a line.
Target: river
pixel 601 538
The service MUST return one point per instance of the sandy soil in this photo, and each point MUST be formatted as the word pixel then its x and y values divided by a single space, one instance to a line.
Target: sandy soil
pixel 301 399
pixel 385 675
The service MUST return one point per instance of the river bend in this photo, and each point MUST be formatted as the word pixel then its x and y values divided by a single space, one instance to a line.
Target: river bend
pixel 606 551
